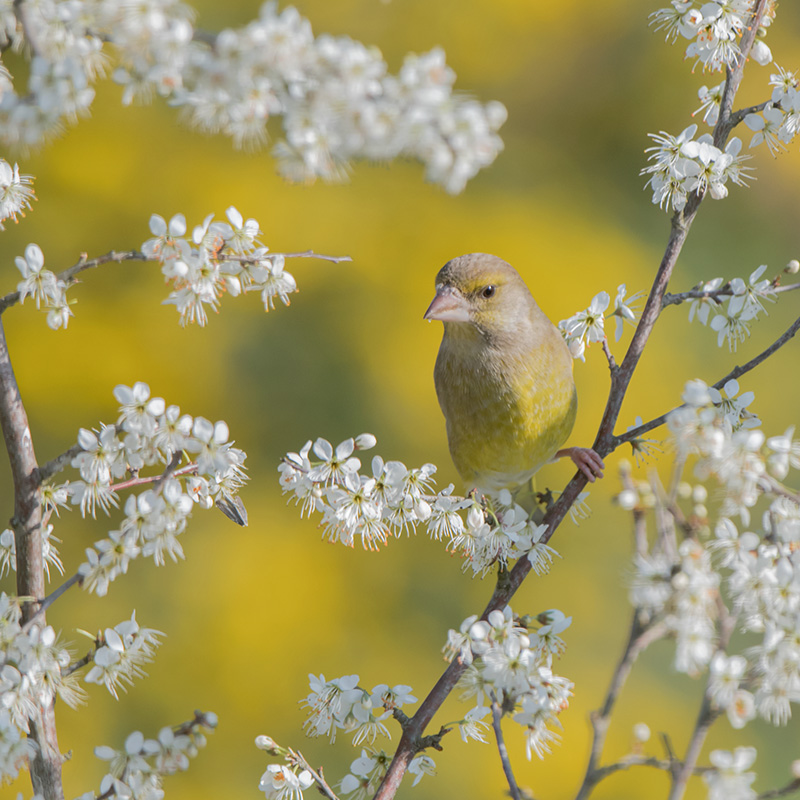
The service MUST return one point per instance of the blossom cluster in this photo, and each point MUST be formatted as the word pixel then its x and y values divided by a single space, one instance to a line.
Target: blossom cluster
pixel 778 122
pixel 281 782
pixel 341 704
pixel 33 670
pixel 47 290
pixel 393 500
pixel 147 433
pixel 510 663
pixel 138 768
pixel 757 565
pixel 119 654
pixel 16 192
pixel 219 257
pixel 714 30
pixel 684 166
pixel 334 705
pixel 335 95
pixel 588 326
pixel 729 777
pixel 736 305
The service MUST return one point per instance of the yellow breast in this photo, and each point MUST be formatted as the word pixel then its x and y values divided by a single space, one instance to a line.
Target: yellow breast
pixel 506 415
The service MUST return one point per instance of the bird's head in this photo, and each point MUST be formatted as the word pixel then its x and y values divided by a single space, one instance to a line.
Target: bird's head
pixel 483 293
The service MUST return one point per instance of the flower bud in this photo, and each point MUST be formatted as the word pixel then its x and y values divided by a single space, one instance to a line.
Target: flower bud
pixel 267 743
pixel 641 733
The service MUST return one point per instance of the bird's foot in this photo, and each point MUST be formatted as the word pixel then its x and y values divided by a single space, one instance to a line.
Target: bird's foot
pixel 586 460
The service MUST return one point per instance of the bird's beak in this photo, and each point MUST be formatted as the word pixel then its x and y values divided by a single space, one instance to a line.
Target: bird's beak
pixel 449 305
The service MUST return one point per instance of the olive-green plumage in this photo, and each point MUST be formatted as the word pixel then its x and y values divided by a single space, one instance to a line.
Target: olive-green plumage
pixel 503 374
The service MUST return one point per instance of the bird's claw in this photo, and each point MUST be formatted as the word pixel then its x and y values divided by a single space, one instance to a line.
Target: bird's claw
pixel 586 460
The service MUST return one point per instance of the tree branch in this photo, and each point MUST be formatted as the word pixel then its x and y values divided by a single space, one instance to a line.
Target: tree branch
pixel 716 294
pixel 69 275
pixel 296 757
pixel 303 254
pixel 639 638
pixel 790 788
pixel 605 440
pixel 736 372
pixel 497 717
pixel 45 765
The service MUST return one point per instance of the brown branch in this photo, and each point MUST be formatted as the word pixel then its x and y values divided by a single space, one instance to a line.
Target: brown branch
pixel 634 760
pixel 640 638
pixel 497 717
pixel 69 275
pixel 295 757
pixel 790 788
pixel 58 463
pixel 156 480
pixel 45 603
pixel 738 116
pixel 707 715
pixel 612 364
pixel 716 294
pixel 304 254
pixel 45 765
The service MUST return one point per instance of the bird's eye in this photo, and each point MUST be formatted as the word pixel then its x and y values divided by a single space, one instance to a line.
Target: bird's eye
pixel 488 291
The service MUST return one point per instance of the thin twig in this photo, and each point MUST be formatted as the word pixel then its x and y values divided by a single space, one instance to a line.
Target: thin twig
pixel 177 457
pixel 639 638
pixel 267 256
pixel 676 299
pixel 612 364
pixel 635 760
pixel 69 275
pixel 58 463
pixel 790 788
pixel 738 116
pixel 296 757
pixel 709 712
pixel 497 717
pixel 80 663
pixel 154 479
pixel 736 372
pixel 51 598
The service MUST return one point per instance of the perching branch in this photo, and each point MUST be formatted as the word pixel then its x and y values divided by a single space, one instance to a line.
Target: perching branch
pixel 605 440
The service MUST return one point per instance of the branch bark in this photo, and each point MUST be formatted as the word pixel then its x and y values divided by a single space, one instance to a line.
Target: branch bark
pixel 45 766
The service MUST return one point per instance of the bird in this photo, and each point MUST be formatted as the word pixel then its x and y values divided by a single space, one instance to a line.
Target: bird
pixel 503 378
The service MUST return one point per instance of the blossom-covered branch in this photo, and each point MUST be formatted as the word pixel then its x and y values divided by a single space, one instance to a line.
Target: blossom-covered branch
pixel 637 432
pixel 335 95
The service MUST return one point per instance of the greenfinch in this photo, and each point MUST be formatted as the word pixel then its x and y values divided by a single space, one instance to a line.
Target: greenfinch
pixel 503 377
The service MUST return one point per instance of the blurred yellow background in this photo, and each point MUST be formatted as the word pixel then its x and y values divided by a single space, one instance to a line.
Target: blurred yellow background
pixel 252 611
